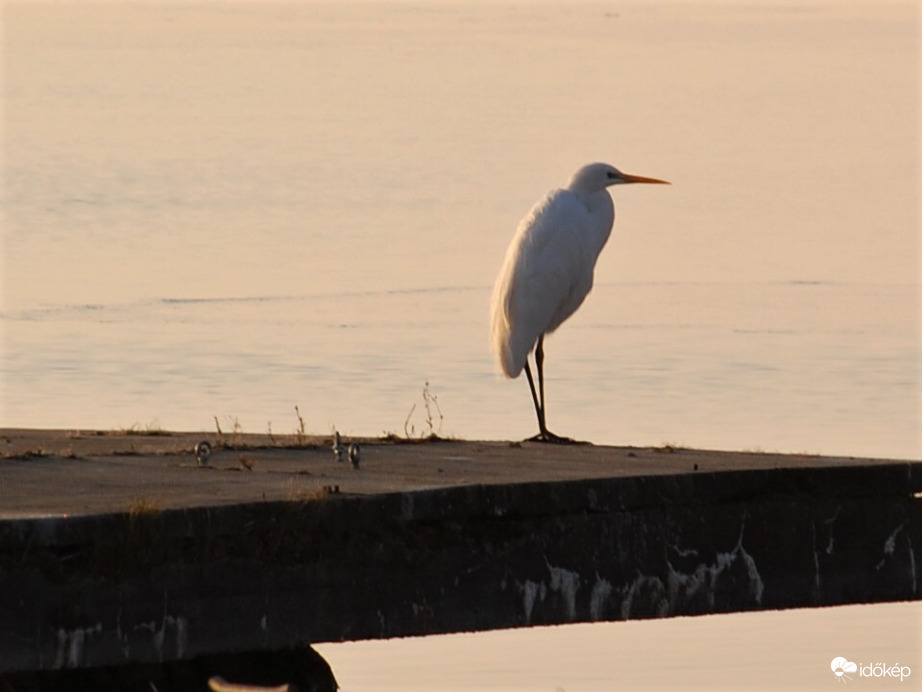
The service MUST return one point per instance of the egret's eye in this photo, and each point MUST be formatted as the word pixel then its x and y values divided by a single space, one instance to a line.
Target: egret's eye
pixel 612 174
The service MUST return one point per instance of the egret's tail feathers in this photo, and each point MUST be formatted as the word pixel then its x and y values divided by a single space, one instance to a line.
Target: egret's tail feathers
pixel 499 341
pixel 508 364
pixel 510 349
pixel 502 344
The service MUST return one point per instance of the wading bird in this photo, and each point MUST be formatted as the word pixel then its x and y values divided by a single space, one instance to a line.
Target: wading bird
pixel 548 271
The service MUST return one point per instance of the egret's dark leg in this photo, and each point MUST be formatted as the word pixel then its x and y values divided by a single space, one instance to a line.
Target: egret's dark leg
pixel 544 435
pixel 534 397
pixel 539 362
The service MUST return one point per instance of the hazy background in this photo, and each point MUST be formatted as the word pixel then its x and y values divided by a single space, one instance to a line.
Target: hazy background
pixel 229 209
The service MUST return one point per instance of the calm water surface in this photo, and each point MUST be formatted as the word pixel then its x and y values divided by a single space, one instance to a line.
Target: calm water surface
pixel 226 210
pixel 780 650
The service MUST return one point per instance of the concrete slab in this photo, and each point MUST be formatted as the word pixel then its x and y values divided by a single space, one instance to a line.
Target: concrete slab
pixel 122 549
pixel 54 472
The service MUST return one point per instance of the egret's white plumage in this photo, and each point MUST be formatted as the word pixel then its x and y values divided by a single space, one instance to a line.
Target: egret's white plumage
pixel 548 269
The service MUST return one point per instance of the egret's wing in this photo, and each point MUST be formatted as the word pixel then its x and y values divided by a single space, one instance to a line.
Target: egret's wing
pixel 545 277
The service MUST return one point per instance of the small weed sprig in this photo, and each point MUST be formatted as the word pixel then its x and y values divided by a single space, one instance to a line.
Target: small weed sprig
pixel 431 404
pixel 235 440
pixel 432 401
pixel 301 431
pixel 409 430
pixel 152 429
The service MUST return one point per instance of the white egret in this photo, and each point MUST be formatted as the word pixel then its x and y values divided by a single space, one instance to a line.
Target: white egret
pixel 548 272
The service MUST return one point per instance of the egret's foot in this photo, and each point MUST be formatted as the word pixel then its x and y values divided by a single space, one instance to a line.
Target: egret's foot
pixel 551 438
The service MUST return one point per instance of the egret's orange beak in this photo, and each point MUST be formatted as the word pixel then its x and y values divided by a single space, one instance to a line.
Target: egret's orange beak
pixel 626 177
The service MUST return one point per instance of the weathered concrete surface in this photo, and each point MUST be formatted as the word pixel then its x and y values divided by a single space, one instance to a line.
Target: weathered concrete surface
pixel 50 473
pixel 157 559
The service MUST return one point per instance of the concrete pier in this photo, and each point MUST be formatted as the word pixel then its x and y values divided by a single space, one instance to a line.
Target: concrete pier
pixel 118 549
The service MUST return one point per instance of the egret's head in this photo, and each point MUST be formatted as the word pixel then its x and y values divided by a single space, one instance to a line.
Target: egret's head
pixel 598 176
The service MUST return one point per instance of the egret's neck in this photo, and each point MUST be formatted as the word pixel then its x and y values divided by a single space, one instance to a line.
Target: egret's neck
pixel 602 208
